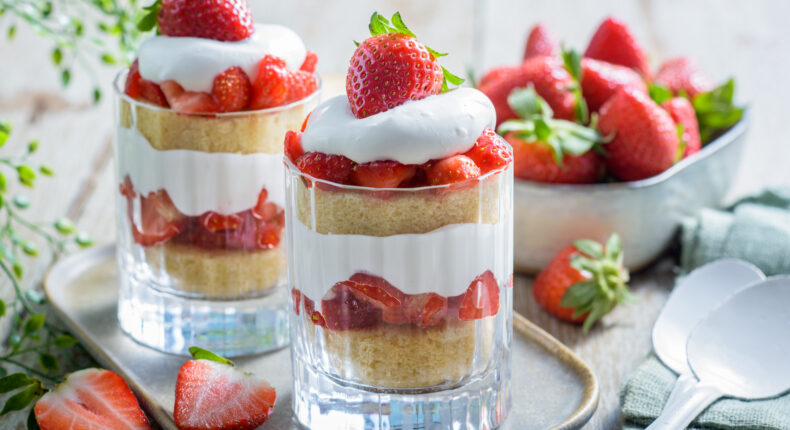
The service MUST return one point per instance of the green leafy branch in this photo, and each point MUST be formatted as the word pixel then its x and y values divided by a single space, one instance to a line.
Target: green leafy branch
pixel 31 333
pixel 64 22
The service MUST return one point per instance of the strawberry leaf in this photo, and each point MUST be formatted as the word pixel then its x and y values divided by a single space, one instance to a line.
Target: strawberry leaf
pixel 579 294
pixel 590 247
pixel 204 354
pixel 716 111
pixel 148 21
pixel 15 381
pixel 573 64
pixel 24 398
pixel 400 26
pixel 659 93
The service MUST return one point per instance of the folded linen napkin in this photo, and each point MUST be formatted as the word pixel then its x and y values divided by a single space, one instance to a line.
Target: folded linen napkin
pixel 755 229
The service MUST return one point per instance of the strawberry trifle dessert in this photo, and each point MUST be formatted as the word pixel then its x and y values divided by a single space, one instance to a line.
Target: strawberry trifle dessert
pixel 399 225
pixel 201 117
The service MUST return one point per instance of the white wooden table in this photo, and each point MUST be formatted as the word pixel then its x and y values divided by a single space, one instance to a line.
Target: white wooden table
pixel 748 40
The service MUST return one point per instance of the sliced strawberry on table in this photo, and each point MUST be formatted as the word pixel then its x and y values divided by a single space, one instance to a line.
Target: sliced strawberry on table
pixel 184 101
pixel 224 20
pixel 343 310
pixel 293 145
pixel 270 87
pixel 481 298
pixel 645 141
pixel 141 89
pixel 682 112
pixel 490 152
pixel 540 43
pixel 309 63
pixel 160 219
pixel 212 394
pixel 231 90
pixel 601 80
pixel 682 75
pixel 90 398
pixel 450 170
pixel 330 167
pixel 213 221
pixel 614 43
pixel 382 174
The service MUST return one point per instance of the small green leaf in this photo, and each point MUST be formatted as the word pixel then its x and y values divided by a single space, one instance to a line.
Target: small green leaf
pixel 23 399
pixel 26 174
pixel 65 341
pixel 3 372
pixel 614 246
pixel 32 423
pixel 397 21
pixel 148 21
pixel 659 93
pixel 15 340
pixel 46 170
pixel 14 381
pixel 48 361
pixel 34 323
pixel 35 296
pixel 30 249
pixel 579 294
pixel 96 95
pixel 108 59
pixel 64 226
pixel 3 183
pixel 716 111
pixel 46 10
pixel 377 26
pixel 590 247
pixel 32 146
pixel 21 201
pixel 83 239
pixel 525 102
pixel 5 132
pixel 18 270
pixel 2 308
pixel 11 32
pixel 204 354
pixel 573 63
pixel 57 56
pixel 65 77
pixel 542 129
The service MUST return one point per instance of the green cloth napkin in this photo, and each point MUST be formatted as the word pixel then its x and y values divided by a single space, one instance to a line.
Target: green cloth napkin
pixel 755 229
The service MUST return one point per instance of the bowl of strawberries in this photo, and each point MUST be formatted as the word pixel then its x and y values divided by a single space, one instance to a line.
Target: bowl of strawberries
pixel 602 144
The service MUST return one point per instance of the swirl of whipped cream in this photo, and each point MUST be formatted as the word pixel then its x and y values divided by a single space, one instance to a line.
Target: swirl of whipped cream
pixel 412 133
pixel 194 62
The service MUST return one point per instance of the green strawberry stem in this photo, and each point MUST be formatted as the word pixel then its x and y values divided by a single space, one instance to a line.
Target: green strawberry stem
pixel 607 286
pixel 537 124
pixel 573 64
pixel 199 353
pixel 381 25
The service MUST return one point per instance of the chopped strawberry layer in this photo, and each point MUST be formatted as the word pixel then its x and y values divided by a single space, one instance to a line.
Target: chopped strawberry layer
pixel 365 301
pixel 160 221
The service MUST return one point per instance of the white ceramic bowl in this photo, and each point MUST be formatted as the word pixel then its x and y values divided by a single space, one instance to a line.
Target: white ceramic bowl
pixel 645 213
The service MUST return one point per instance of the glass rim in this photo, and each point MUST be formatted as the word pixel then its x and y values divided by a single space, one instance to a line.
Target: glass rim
pixel 292 169
pixel 120 79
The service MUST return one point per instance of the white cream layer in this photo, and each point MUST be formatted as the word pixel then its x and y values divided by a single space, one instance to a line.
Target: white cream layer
pixel 412 133
pixel 194 62
pixel 197 181
pixel 444 261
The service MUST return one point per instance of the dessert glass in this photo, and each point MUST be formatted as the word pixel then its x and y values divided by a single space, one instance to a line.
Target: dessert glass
pixel 200 225
pixel 402 302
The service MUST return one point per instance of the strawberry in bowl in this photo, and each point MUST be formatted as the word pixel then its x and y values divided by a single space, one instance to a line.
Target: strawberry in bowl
pixel 602 142
pixel 399 237
pixel 201 116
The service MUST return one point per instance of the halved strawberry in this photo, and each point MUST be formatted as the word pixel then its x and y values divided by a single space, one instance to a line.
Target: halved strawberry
pixel 481 298
pixel 293 144
pixel 490 152
pixel 88 399
pixel 212 395
pixel 376 289
pixel 382 174
pixel 342 310
pixel 458 168
pixel 330 167
pixel 310 60
pixel 213 221
pixel 184 101
pixel 231 90
pixel 140 89
pixel 269 88
pixel 160 219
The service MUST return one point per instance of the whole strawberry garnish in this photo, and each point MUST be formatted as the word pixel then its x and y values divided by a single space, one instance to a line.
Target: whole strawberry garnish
pixel 614 43
pixel 231 90
pixel 682 113
pixel 601 80
pixel 392 67
pixel 583 282
pixel 329 167
pixel 382 174
pixel 540 43
pixel 547 149
pixel 550 79
pixel 490 152
pixel 645 139
pixel 90 399
pixel 224 20
pixel 212 394
pixel 683 77
pixel 450 170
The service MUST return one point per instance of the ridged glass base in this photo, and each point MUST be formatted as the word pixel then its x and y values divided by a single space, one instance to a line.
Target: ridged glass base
pixel 173 323
pixel 323 402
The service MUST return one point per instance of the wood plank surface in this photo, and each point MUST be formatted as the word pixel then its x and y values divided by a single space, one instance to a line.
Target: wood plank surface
pixel 748 40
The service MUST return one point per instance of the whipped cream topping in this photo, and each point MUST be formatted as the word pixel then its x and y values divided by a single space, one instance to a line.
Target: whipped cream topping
pixel 413 133
pixel 194 62
pixel 444 261
pixel 197 181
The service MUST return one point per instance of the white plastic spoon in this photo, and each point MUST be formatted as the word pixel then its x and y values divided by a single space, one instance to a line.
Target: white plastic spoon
pixel 740 350
pixel 693 298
